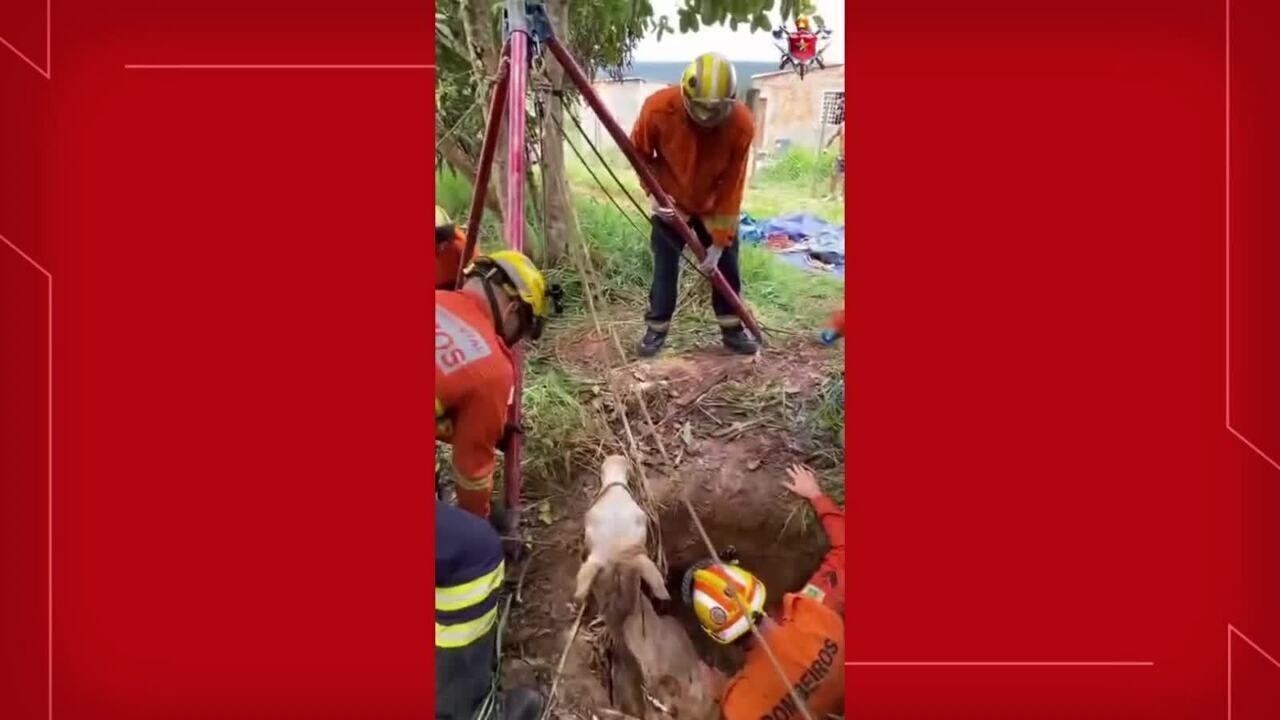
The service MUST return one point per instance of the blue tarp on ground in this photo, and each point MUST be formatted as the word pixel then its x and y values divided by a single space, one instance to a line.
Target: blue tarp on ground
pixel 811 235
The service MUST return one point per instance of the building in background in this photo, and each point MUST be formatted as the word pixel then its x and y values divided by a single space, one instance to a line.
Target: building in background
pixel 623 98
pixel 790 112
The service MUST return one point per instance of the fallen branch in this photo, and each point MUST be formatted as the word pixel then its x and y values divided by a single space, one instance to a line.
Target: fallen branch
pixel 657 439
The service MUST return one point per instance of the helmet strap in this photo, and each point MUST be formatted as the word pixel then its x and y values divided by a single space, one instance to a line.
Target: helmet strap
pixel 499 323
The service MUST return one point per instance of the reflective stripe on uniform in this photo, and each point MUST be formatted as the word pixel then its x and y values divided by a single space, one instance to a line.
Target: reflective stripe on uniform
pixel 465 633
pixel 720 223
pixel 483 483
pixel 458 597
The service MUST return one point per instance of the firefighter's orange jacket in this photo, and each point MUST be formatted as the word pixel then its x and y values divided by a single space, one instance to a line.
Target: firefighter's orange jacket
pixel 474 382
pixel 702 169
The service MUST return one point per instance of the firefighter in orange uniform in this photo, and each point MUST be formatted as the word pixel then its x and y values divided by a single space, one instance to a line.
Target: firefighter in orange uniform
pixel 807 637
pixel 451 243
pixel 834 329
pixel 503 299
pixel 696 138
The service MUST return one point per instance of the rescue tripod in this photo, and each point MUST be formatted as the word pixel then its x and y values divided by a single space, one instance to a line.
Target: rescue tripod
pixel 528 30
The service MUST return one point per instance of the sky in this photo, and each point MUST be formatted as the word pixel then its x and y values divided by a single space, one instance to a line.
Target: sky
pixel 742 45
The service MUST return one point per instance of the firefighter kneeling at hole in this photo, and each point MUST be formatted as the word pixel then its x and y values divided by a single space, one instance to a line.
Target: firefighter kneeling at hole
pixel 696 138
pixel 807 637
pixel 503 299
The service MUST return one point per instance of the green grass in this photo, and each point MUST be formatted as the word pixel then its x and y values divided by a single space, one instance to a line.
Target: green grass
pixel 796 181
pixel 552 406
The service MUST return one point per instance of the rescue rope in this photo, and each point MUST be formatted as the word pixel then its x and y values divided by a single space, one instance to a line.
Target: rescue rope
pixel 674 244
pixel 595 177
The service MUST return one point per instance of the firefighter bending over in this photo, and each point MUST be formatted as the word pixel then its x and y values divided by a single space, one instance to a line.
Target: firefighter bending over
pixel 503 299
pixel 697 140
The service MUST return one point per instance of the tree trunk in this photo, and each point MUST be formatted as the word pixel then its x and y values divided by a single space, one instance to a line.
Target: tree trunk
pixel 460 161
pixel 559 220
pixel 485 51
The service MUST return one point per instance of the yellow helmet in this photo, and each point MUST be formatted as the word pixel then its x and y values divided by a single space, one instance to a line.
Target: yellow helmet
pixel 520 278
pixel 710 84
pixel 714 591
pixel 802 22
pixel 442 218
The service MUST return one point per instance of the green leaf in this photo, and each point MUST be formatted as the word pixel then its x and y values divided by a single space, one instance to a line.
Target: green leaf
pixel 544 512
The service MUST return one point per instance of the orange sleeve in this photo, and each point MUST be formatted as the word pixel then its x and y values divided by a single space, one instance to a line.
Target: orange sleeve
pixel 643 134
pixel 828 579
pixel 478 423
pixel 726 205
pixel 832 519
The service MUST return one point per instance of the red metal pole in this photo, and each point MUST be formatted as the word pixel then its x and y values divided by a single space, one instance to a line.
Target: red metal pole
pixel 646 177
pixel 518 49
pixel 485 169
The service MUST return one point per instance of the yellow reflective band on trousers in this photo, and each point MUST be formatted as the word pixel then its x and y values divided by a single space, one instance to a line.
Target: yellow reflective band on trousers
pixel 467 594
pixel 465 633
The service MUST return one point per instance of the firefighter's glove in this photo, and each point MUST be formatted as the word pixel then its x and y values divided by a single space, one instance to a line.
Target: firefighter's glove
pixel 667 215
pixel 711 260
pixel 662 213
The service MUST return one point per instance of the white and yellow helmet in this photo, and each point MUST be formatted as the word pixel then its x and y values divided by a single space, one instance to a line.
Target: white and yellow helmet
pixel 718 593
pixel 516 274
pixel 709 84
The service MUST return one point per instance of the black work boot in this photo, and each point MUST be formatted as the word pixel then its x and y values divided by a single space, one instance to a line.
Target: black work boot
pixel 652 342
pixel 521 704
pixel 736 341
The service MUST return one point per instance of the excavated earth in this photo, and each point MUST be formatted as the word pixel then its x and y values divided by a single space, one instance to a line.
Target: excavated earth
pixel 716 429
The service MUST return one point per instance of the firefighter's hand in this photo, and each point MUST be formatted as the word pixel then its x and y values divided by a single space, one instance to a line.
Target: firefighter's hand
pixel 712 259
pixel 803 483
pixel 660 212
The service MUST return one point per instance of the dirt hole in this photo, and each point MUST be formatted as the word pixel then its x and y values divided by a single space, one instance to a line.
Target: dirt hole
pixel 772 534
pixel 780 548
